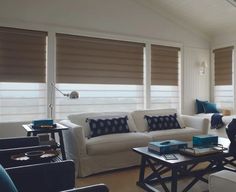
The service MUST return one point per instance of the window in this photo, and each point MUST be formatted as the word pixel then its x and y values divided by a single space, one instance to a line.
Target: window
pixel 107 73
pixel 99 97
pixel 22 74
pixel 223 89
pixel 164 77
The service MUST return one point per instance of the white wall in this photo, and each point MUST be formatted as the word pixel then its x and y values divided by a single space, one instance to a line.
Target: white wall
pixel 194 84
pixel 122 19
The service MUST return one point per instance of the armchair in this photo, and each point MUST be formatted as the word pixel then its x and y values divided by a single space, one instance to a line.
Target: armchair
pixel 46 177
pixel 16 145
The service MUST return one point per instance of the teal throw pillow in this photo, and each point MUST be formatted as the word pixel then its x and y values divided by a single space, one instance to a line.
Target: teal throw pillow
pixel 210 107
pixel 199 106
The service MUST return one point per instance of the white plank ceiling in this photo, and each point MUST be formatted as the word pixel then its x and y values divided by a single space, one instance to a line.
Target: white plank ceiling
pixel 211 17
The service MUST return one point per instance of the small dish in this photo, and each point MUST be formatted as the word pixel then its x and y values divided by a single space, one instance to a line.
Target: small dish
pixel 34 154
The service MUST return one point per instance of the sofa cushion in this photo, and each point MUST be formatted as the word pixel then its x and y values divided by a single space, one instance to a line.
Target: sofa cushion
pixel 162 122
pixel 108 144
pixel 185 134
pixel 141 123
pixel 80 119
pixel 108 126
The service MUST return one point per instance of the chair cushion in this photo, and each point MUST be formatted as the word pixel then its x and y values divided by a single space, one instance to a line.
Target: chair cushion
pixel 108 126
pixel 108 144
pixel 162 122
pixel 6 184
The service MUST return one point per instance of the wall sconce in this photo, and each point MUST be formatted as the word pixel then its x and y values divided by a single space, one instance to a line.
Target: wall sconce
pixel 71 95
pixel 203 68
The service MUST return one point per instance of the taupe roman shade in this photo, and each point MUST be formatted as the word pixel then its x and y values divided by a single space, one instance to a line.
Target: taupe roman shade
pixel 98 61
pixel 164 65
pixel 223 65
pixel 22 55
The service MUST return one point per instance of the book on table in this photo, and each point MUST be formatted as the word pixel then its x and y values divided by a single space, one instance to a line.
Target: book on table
pixel 167 146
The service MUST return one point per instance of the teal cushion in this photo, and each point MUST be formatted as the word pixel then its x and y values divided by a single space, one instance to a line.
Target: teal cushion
pixel 6 184
pixel 199 106
pixel 210 107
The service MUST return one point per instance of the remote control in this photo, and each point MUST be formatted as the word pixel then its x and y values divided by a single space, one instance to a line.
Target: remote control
pixel 165 143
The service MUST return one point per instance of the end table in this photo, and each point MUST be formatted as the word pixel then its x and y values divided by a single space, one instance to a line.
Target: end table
pixel 58 129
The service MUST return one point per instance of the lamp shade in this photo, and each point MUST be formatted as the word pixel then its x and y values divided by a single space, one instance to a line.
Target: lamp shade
pixel 74 95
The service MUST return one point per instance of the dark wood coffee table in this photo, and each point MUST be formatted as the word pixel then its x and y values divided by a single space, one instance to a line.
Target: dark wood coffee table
pixel 184 166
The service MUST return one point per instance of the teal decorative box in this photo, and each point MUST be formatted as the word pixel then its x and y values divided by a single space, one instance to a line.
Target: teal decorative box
pixel 167 146
pixel 205 140
pixel 42 122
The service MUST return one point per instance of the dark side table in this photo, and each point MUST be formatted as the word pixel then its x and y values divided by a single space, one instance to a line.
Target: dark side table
pixel 58 129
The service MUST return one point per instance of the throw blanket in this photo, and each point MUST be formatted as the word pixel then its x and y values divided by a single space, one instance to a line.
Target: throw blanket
pixel 216 121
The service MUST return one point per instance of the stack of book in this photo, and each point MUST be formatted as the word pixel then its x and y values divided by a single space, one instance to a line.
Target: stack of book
pixel 167 146
pixel 43 124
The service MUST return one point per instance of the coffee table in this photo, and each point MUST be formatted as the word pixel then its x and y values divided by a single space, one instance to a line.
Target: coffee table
pixel 184 166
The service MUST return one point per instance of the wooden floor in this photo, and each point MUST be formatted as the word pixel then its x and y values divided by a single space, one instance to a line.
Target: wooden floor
pixel 125 180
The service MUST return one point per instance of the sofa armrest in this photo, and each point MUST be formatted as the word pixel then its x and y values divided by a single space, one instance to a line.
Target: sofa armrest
pixel 75 140
pixel 91 188
pixel 196 122
pixel 222 181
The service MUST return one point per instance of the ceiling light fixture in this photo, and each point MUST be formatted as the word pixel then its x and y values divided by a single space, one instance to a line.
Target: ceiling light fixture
pixel 232 2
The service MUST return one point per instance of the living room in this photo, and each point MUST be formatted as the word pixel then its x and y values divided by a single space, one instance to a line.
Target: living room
pixel 146 24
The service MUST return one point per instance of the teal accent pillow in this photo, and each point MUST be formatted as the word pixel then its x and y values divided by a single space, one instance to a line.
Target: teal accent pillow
pixel 210 107
pixel 199 106
pixel 6 184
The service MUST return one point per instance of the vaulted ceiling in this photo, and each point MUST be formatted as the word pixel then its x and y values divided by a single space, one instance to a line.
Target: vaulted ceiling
pixel 211 17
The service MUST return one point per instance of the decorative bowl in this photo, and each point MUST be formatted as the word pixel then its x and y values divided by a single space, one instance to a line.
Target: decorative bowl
pixel 34 154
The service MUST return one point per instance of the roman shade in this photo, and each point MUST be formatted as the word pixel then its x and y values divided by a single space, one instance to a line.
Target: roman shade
pixel 223 65
pixel 91 60
pixel 22 55
pixel 164 66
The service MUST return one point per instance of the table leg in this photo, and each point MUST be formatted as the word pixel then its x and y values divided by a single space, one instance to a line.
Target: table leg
pixel 142 169
pixel 53 135
pixel 174 180
pixel 62 145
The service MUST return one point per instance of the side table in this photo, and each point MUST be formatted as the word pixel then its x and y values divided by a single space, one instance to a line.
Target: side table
pixel 58 129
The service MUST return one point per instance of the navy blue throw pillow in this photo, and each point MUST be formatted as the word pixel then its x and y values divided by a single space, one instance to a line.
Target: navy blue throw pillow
pixel 199 106
pixel 162 122
pixel 210 107
pixel 108 126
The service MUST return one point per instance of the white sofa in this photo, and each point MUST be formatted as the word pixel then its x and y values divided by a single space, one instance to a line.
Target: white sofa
pixel 222 181
pixel 114 151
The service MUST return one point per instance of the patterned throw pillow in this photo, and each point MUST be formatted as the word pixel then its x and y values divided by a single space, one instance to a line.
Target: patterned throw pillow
pixel 162 122
pixel 108 126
